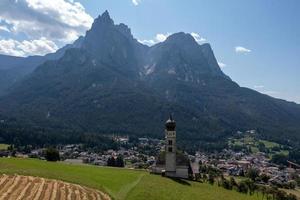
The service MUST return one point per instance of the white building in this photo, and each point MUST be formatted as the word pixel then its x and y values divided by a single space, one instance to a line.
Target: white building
pixel 171 162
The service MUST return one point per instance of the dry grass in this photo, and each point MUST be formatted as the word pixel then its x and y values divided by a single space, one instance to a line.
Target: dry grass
pixel 16 187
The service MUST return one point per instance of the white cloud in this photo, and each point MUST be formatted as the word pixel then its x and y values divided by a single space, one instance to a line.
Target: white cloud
pixel 8 47
pixel 221 65
pixel 198 38
pixel 136 2
pixel 61 20
pixel 262 89
pixel 4 28
pixel 270 92
pixel 40 46
pixel 239 49
pixel 160 37
pixel 147 42
pixel 258 87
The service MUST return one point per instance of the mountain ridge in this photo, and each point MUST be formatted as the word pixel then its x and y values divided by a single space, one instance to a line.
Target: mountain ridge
pixel 13 69
pixel 114 84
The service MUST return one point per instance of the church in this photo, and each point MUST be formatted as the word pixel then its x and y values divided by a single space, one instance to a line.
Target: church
pixel 171 162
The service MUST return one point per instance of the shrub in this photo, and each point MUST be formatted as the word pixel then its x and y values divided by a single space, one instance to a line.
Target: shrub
pixel 252 173
pixel 226 184
pixel 52 154
pixel 242 187
pixel 265 178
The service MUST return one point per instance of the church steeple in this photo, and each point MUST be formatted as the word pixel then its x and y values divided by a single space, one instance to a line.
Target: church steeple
pixel 170 135
pixel 171 117
pixel 170 124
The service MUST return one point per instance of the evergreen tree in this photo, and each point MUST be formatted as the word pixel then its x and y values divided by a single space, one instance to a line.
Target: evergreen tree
pixel 119 161
pixel 211 178
pixel 233 182
pixel 111 161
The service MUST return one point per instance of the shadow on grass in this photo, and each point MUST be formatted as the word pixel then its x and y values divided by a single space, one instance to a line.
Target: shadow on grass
pixel 181 181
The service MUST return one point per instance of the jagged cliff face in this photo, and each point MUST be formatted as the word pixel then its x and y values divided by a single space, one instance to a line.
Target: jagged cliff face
pixel 114 45
pixel 181 56
pixel 113 84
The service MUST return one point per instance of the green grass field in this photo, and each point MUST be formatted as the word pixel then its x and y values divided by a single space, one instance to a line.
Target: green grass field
pixel 121 183
pixel 4 146
pixel 251 142
pixel 269 144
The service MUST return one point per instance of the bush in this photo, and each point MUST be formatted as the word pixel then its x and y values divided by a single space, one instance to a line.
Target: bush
pixel 294 155
pixel 291 197
pixel 292 184
pixel 298 181
pixel 118 162
pixel 226 184
pixel 279 159
pixel 276 148
pixel 52 154
pixel 265 178
pixel 251 185
pixel 211 178
pixel 233 182
pixel 111 162
pixel 242 187
pixel 252 173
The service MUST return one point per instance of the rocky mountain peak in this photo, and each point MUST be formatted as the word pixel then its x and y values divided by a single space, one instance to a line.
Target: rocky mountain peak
pixel 103 20
pixel 105 34
pixel 181 38
pixel 105 23
pixel 125 30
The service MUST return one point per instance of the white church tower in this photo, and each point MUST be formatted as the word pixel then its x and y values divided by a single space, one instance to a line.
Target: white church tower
pixel 170 134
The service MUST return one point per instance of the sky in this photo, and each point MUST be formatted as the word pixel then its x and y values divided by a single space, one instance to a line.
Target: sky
pixel 256 42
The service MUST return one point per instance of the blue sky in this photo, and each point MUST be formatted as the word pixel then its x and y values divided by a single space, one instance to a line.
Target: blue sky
pixel 257 41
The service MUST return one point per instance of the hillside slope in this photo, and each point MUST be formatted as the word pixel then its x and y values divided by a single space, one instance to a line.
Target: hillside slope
pixel 13 69
pixel 121 184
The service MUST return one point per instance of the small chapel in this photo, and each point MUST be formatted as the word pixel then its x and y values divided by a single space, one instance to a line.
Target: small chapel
pixel 171 162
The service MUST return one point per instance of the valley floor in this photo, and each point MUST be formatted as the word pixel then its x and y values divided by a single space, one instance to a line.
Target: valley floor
pixel 121 183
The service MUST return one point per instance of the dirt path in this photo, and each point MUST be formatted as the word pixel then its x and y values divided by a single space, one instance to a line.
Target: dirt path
pixel 15 187
pixel 125 190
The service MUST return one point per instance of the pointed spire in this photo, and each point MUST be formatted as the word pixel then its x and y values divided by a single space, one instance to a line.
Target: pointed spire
pixel 171 117
pixel 105 14
pixel 103 19
pixel 170 123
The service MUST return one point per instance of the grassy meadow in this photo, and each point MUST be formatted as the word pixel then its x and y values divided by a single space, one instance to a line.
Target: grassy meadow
pixel 121 183
pixel 4 146
pixel 250 141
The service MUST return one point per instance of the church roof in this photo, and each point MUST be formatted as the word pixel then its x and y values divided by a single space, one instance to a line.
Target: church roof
pixel 170 123
pixel 170 119
pixel 181 159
